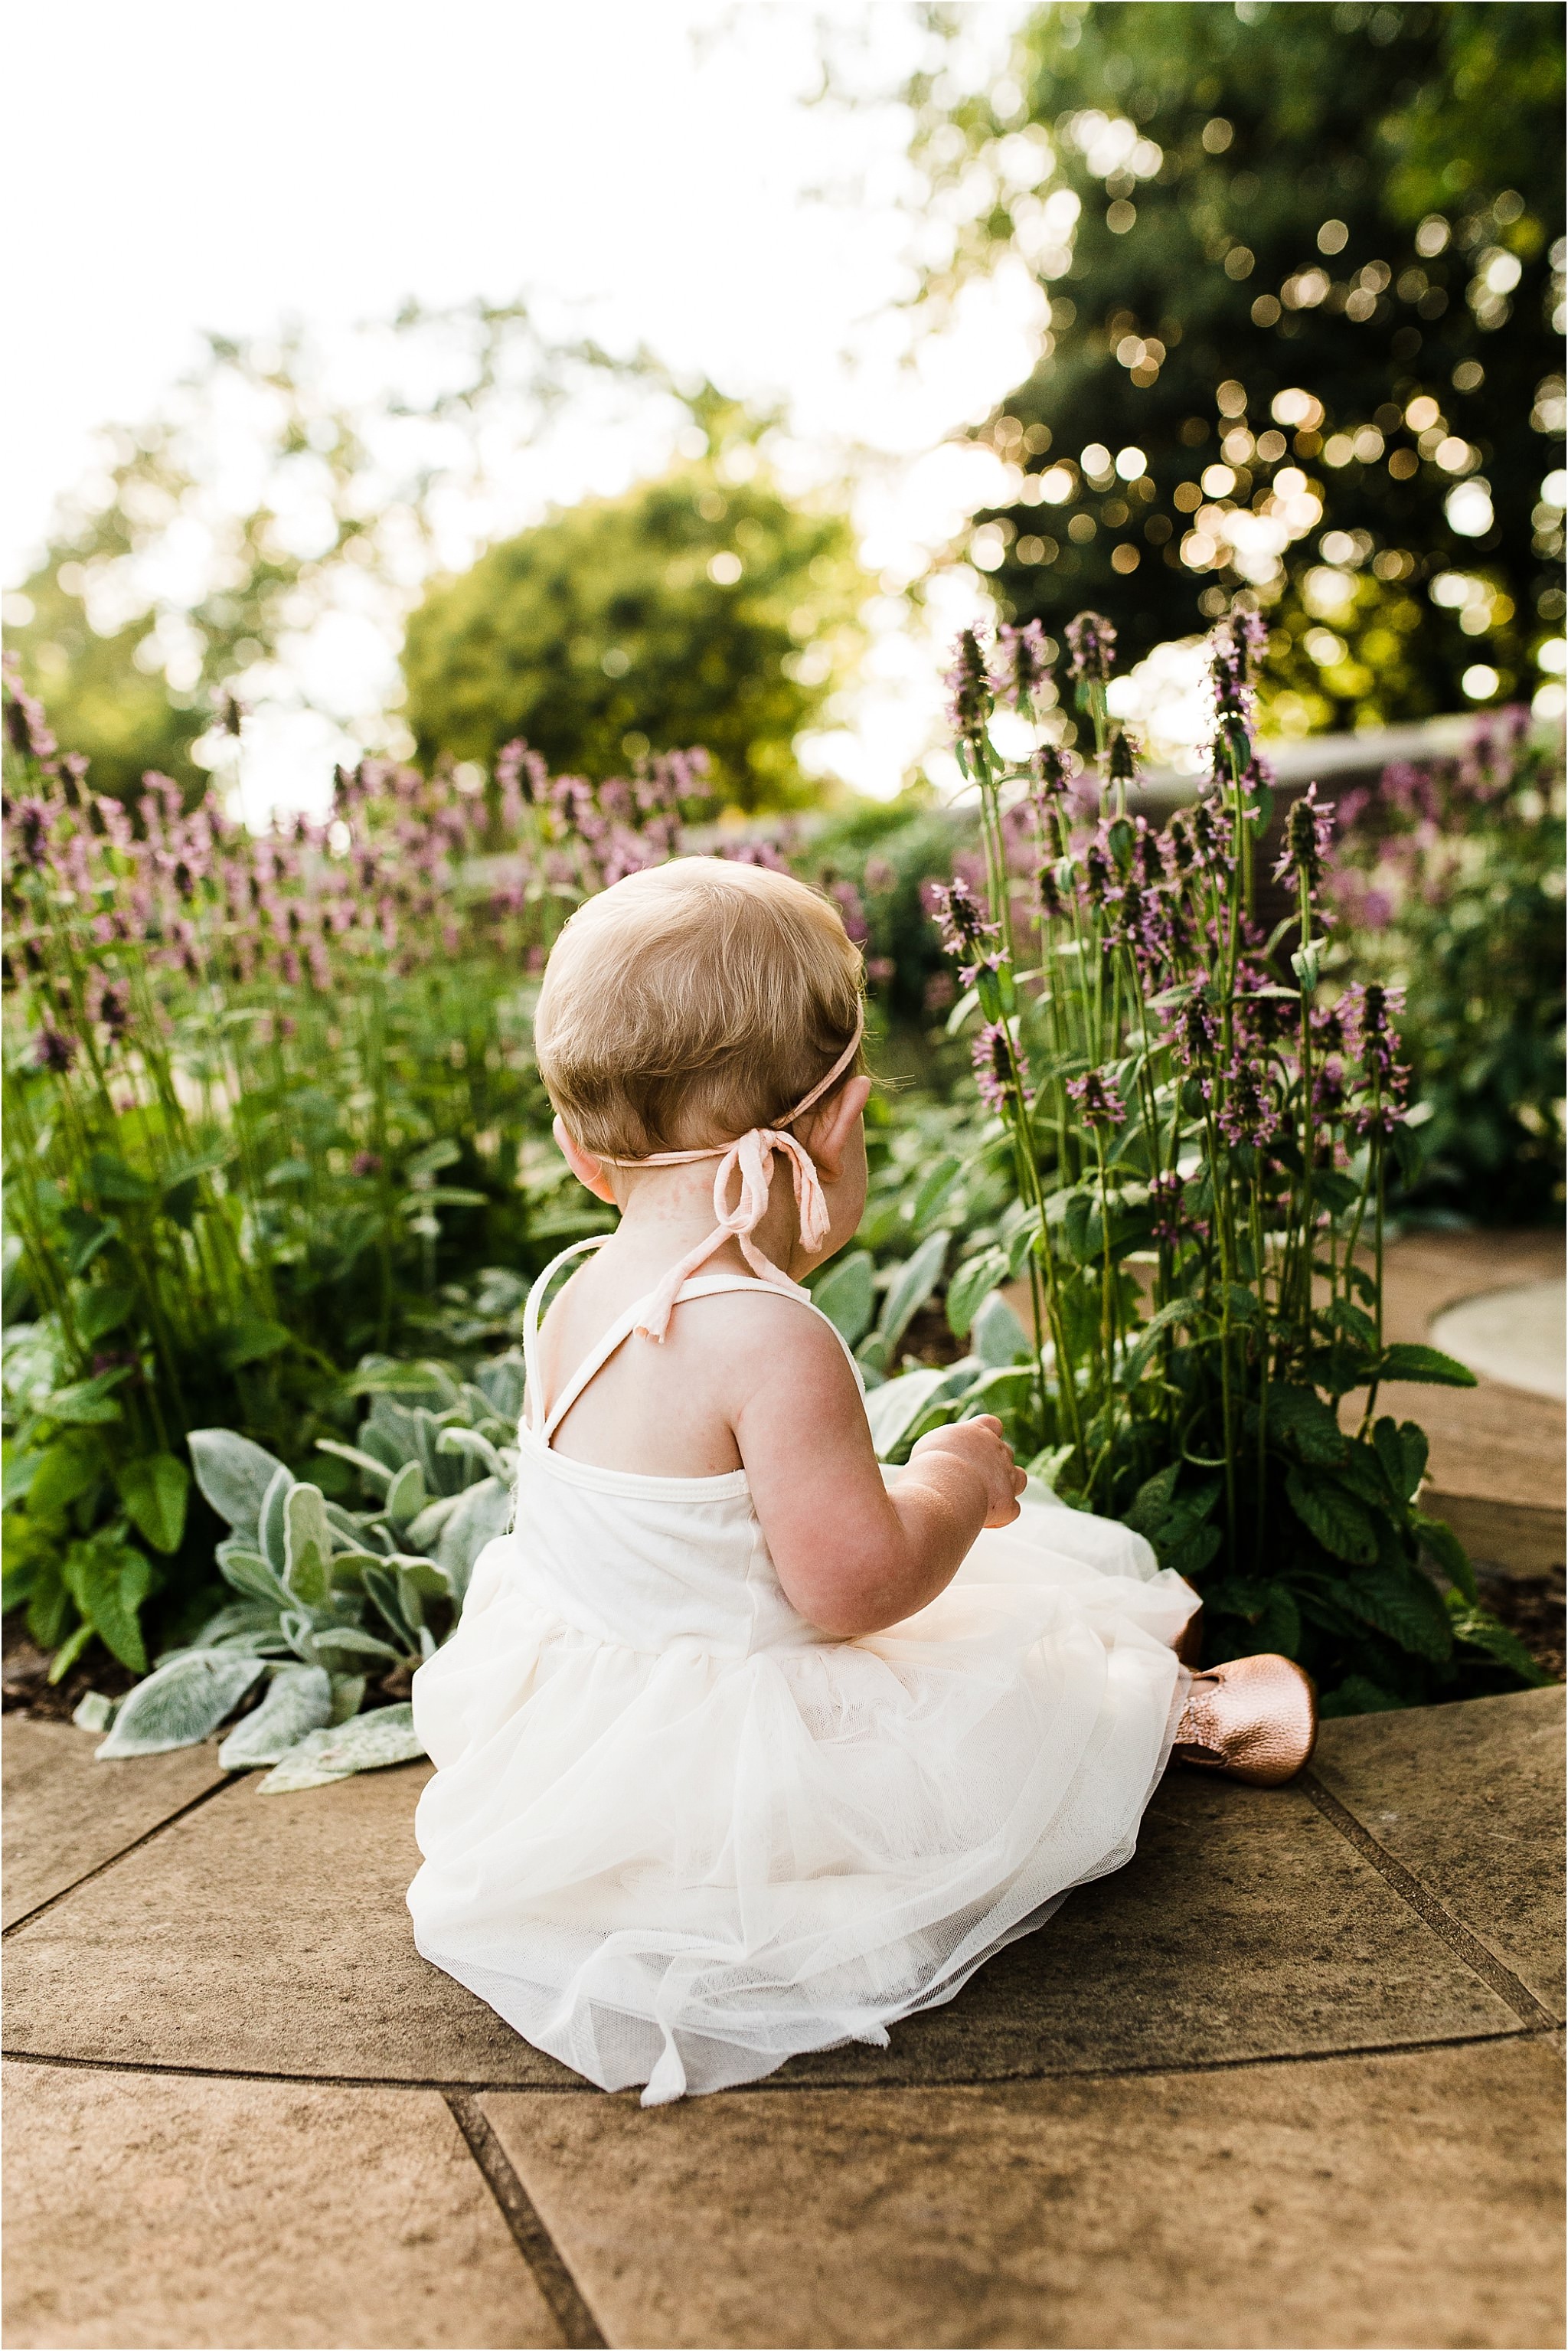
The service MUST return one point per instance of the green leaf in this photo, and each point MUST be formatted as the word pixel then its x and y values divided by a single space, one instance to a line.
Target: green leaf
pixel 1340 1523
pixel 86 1235
pixel 893 1408
pixel 342 1647
pixel 273 1517
pixel 1407 1609
pixel 429 1162
pixel 1429 1364
pixel 1152 1503
pixel 1180 1310
pixel 465 1443
pixel 366 1462
pixel 66 1656
pixel 1478 1629
pixel 999 1338
pixel 1449 1554
pixel 934 1189
pixel 234 1474
pixel 110 1178
pixel 69 1469
pixel 1278 1628
pixel 483 1514
pixel 406 1496
pixel 1362 1472
pixel 109 1582
pixel 299 1700
pixel 845 1295
pixel 1412 1448
pixel 1024 1244
pixel 965 1004
pixel 252 1340
pixel 306 1544
pixel 21 1469
pixel 367 1743
pixel 86 1404
pixel 182 1702
pixel 102 1309
pixel 1308 1424
pixel 1079 1216
pixel 973 1280
pixel 1356 1324
pixel 155 1491
pixel 179 1201
pixel 1402 1453
pixel 911 1287
pixel 1188 1554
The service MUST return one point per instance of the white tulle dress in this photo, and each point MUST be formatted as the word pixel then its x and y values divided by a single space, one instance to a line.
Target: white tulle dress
pixel 677 1835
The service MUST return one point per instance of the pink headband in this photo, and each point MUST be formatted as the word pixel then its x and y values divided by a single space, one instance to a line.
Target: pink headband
pixel 752 1158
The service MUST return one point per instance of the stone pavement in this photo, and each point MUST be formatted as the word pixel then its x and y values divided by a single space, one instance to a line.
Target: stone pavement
pixel 1290 2079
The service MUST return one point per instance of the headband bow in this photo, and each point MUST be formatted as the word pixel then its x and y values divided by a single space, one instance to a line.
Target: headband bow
pixel 751 1158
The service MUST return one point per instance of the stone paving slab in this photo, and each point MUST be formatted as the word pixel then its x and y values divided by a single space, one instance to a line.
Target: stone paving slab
pixel 1406 2199
pixel 142 2210
pixel 1246 1927
pixel 66 1815
pixel 1493 1443
pixel 1468 1798
pixel 282 1921
pixel 1283 2081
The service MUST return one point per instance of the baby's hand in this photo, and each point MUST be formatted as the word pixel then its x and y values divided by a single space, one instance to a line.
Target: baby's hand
pixel 980 1446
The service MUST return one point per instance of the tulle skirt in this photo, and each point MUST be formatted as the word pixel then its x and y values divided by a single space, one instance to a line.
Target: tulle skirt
pixel 680 1867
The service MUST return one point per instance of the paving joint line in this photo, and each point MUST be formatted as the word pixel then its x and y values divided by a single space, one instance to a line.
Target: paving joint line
pixel 168 1822
pixel 770 2084
pixel 1464 1945
pixel 533 2239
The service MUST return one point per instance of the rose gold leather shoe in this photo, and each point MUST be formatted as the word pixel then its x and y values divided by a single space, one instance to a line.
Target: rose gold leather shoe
pixel 1255 1720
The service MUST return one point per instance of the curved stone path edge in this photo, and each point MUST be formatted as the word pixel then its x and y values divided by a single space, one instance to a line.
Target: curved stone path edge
pixel 1252 2006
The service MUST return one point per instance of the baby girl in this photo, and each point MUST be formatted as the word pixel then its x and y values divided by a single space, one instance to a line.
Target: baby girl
pixel 745 1744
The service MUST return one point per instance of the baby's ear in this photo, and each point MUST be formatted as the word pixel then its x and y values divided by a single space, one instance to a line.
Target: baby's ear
pixel 587 1170
pixel 835 1125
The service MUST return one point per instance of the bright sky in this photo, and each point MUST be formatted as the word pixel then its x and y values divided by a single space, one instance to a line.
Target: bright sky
pixel 644 165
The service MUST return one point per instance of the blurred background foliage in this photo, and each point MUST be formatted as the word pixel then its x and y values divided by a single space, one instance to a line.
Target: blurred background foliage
pixel 1305 275
pixel 703 607
pixel 1305 269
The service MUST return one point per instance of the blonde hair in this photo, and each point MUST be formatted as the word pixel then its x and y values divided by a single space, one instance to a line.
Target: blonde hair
pixel 692 1001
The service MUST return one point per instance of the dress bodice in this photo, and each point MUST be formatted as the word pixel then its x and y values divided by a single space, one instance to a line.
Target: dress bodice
pixel 640 1561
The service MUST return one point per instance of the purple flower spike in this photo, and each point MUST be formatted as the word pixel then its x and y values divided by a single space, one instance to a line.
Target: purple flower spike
pixel 969 702
pixel 1309 831
pixel 25 723
pixel 994 1072
pixel 1099 1103
pixel 1247 1113
pixel 1023 664
pixel 1091 642
pixel 965 933
pixel 53 1050
pixel 1051 770
pixel 1165 1202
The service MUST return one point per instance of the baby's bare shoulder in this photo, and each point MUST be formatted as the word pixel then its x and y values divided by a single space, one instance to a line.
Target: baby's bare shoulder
pixel 762 1329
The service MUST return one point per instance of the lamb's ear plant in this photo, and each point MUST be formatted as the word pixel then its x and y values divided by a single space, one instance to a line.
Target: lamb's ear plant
pixel 330 1601
pixel 1197 1140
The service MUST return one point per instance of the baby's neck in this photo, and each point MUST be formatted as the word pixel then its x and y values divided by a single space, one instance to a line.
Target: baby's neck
pixel 666 1211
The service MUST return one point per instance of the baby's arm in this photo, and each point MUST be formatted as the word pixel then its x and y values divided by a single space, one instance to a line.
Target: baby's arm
pixel 852 1556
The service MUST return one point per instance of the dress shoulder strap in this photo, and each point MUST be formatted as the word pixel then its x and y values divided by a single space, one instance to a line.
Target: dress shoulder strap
pixel 533 1401
pixel 544 1423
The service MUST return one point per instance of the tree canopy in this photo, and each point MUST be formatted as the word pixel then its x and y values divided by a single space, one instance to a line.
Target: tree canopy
pixel 1304 274
pixel 264 499
pixel 703 608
